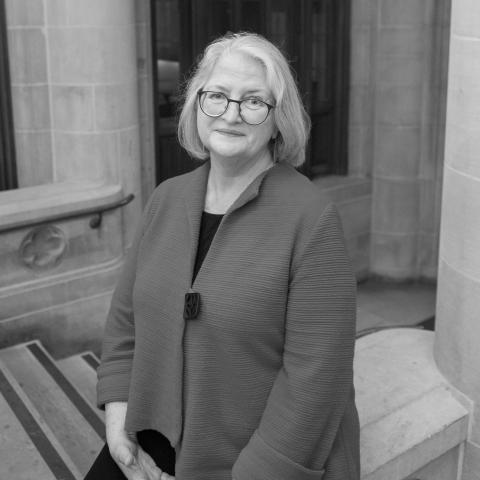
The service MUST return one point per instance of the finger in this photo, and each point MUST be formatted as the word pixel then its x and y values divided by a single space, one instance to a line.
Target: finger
pixel 139 476
pixel 147 464
pixel 166 476
pixel 125 456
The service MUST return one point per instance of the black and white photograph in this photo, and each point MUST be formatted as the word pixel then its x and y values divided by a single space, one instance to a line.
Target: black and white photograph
pixel 239 239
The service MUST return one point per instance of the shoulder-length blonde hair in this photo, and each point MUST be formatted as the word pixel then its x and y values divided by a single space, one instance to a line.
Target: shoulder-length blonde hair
pixel 290 117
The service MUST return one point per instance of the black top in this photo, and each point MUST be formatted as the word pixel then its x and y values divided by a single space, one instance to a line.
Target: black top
pixel 208 229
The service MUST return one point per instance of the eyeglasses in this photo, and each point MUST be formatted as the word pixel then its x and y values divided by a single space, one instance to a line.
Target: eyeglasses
pixel 252 110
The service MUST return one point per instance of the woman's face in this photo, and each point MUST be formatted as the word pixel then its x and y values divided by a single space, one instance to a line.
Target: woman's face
pixel 228 137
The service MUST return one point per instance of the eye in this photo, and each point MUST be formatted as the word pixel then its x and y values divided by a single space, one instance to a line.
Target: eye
pixel 215 96
pixel 253 103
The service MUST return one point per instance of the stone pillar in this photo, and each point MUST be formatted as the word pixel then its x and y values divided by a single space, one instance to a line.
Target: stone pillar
pixel 457 349
pixel 407 91
pixel 92 70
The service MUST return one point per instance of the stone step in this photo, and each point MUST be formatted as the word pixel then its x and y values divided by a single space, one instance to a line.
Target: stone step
pixel 74 423
pixel 81 370
pixel 28 448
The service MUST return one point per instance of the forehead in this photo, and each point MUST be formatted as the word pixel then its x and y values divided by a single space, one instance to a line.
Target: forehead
pixel 238 71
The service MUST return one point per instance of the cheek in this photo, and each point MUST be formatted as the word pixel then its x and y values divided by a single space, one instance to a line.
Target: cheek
pixel 265 134
pixel 202 128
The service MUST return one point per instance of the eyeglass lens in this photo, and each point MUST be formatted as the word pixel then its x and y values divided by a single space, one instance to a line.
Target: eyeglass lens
pixel 252 110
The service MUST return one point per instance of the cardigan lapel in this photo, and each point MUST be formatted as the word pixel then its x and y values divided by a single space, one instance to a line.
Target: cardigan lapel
pixel 251 191
pixel 196 191
pixel 194 198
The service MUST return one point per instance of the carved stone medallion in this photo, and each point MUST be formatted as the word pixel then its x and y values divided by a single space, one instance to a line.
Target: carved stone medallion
pixel 43 247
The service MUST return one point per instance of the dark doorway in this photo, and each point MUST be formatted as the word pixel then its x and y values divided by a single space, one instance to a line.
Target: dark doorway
pixel 313 33
pixel 8 170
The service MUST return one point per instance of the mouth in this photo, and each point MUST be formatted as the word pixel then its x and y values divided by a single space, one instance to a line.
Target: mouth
pixel 229 133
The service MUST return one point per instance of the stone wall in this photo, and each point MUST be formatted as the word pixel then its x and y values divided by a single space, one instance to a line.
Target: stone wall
pixel 398 84
pixel 75 69
pixel 458 299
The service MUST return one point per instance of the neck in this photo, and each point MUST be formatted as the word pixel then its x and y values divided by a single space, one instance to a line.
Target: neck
pixel 229 178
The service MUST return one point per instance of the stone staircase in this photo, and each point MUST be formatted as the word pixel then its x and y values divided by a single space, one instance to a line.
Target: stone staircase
pixel 50 428
pixel 413 424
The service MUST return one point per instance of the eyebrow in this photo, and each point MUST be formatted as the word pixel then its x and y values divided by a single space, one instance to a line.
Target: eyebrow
pixel 248 92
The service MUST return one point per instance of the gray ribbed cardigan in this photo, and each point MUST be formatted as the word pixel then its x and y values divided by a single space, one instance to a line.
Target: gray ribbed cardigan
pixel 260 385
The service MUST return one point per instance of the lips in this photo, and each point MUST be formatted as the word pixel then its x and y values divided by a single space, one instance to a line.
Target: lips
pixel 230 133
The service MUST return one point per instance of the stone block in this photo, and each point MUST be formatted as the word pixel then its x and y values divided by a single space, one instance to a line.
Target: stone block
pixel 42 293
pixel 99 14
pixel 399 105
pixel 25 253
pixel 394 255
pixel 358 247
pixel 403 41
pixel 404 13
pixel 27 52
pixel 427 254
pixel 429 207
pixel 56 12
pixel 34 158
pixel 92 55
pixel 397 151
pixel 341 188
pixel 128 160
pixel 143 49
pixel 356 215
pixel 364 13
pixel 361 56
pixel 361 104
pixel 31 108
pixel 465 18
pixel 462 147
pixel 462 104
pixel 460 226
pixel 458 330
pixel 73 108
pixel 471 462
pixel 142 11
pixel 116 106
pixel 90 156
pixel 360 150
pixel 62 329
pixel 24 13
pixel 395 206
pixel 464 62
pixel 27 205
pixel 145 100
pixel 432 141
pixel 408 415
pixel 401 70
pixel 444 467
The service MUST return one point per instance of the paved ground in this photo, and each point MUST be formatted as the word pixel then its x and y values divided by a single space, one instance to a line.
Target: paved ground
pixel 383 304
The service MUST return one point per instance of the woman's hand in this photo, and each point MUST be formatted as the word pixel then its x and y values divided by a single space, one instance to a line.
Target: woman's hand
pixel 132 460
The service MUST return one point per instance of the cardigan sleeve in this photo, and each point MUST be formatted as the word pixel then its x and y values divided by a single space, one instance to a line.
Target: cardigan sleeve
pixel 119 336
pixel 306 404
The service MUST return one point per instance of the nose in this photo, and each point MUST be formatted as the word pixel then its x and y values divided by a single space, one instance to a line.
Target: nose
pixel 232 113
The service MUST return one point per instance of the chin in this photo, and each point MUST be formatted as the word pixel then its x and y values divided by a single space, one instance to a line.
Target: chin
pixel 228 152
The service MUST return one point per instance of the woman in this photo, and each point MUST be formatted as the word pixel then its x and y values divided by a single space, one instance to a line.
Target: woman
pixel 231 331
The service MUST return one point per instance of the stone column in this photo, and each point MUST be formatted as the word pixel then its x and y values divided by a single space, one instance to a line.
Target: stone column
pixel 92 64
pixel 406 85
pixel 457 350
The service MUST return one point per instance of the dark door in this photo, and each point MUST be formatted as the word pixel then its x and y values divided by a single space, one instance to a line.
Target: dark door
pixel 8 170
pixel 314 35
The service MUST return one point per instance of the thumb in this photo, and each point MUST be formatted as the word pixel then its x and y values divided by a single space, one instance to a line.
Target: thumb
pixel 126 454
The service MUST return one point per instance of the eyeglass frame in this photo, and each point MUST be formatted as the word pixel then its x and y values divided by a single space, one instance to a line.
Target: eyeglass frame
pixel 229 100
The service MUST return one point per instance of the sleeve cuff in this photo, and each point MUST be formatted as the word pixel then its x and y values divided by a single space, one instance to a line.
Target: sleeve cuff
pixel 113 388
pixel 259 461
